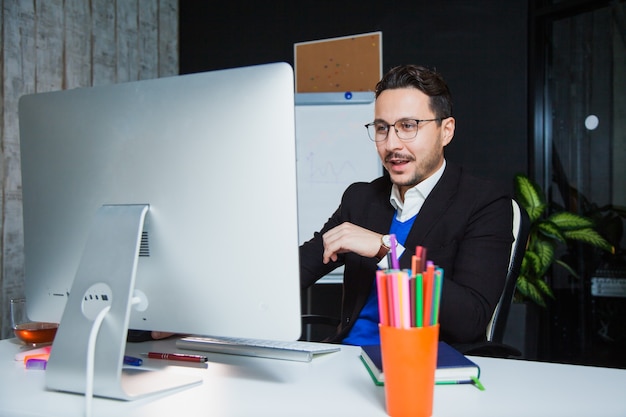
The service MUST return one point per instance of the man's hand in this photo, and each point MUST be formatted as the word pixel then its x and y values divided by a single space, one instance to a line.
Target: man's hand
pixel 348 237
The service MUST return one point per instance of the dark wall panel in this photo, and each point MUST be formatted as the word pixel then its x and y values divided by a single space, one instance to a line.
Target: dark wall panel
pixel 479 46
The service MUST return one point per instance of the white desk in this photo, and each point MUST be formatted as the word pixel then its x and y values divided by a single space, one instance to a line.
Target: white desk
pixel 333 385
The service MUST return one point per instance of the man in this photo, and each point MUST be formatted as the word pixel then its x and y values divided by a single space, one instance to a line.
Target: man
pixel 464 222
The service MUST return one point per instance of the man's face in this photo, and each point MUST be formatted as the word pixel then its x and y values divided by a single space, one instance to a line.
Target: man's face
pixel 410 162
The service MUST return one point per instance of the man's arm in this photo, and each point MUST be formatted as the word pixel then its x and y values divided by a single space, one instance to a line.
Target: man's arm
pixel 476 276
pixel 344 232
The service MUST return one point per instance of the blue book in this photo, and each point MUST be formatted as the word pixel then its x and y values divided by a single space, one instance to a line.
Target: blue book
pixel 452 366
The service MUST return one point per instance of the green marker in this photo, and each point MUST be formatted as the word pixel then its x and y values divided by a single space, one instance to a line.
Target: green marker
pixel 419 300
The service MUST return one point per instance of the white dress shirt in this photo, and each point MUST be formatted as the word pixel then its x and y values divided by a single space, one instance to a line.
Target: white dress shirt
pixel 413 201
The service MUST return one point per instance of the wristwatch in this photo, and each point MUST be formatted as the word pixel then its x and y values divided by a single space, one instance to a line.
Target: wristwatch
pixel 385 247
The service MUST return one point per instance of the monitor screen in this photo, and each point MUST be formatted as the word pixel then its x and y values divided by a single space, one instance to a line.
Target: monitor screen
pixel 211 156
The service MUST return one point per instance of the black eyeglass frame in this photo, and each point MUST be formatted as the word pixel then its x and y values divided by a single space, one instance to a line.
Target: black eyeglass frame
pixel 417 122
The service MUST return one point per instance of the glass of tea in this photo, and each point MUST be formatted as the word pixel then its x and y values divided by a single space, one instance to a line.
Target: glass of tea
pixel 30 332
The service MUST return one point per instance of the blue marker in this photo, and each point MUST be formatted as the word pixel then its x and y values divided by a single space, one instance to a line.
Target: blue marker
pixel 131 360
pixel 348 95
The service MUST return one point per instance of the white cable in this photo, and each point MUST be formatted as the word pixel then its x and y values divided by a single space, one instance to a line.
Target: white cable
pixel 91 353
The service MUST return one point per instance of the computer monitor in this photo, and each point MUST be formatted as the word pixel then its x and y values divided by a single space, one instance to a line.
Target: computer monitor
pixel 176 196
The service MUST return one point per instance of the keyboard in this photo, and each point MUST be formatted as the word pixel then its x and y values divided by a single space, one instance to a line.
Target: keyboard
pixel 291 351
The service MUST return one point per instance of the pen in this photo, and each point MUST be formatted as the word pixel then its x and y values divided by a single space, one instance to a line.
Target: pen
pixel 131 360
pixel 176 357
pixel 394 256
pixel 478 384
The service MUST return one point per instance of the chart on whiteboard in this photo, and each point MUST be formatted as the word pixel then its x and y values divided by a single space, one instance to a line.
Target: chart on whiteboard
pixel 333 151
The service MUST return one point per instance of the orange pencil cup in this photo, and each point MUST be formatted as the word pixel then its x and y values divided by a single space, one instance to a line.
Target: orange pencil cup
pixel 409 362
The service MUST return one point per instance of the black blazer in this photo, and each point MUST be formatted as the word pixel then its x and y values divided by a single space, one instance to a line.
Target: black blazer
pixel 465 224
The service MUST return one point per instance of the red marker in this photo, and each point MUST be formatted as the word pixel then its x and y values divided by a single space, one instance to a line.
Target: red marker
pixel 176 357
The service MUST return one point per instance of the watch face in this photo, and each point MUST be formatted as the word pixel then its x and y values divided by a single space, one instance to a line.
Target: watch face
pixel 387 240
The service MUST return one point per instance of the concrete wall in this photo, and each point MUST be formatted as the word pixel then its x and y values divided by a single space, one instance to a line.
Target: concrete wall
pixel 49 45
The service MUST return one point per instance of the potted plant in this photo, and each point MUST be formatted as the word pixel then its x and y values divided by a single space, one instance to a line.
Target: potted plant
pixel 547 232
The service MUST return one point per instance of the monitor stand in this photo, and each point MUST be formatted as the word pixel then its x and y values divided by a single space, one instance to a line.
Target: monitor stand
pixel 105 279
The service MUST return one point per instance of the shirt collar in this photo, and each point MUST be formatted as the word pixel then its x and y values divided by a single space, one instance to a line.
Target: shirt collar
pixel 414 197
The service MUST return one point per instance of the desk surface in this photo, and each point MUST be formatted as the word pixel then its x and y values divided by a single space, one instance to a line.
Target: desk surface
pixel 333 384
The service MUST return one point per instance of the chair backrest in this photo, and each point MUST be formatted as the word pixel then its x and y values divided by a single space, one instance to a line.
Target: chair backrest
pixel 521 228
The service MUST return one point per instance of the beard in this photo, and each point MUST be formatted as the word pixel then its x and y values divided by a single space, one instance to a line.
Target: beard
pixel 425 166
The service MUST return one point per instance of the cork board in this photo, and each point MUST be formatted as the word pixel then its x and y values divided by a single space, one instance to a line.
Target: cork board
pixel 349 63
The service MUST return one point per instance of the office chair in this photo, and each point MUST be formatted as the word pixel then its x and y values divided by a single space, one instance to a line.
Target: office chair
pixel 494 345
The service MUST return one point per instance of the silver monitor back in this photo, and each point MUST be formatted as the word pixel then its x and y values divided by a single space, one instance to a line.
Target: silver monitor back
pixel 213 155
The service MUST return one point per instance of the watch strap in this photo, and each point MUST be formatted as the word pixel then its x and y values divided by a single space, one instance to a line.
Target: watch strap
pixel 382 251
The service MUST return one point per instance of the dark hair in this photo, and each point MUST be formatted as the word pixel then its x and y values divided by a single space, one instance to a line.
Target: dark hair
pixel 427 81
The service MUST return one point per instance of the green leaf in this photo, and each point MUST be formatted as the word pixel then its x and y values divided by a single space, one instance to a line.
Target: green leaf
pixel 550 230
pixel 522 284
pixel 545 252
pixel 568 268
pixel 530 197
pixel 531 263
pixel 590 237
pixel 565 220
pixel 544 288
pixel 529 290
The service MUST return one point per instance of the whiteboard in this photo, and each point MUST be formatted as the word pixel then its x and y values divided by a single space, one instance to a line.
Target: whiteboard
pixel 333 151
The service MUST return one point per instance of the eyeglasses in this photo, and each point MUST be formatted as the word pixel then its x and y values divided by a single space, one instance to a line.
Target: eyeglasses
pixel 406 129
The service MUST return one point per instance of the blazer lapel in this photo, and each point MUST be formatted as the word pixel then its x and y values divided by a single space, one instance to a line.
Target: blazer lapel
pixel 436 204
pixel 381 211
